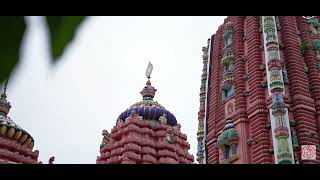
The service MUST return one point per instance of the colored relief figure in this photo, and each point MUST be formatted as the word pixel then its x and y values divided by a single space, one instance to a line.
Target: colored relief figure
pixel 228 62
pixel 229 109
pixel 284 74
pixel 318 53
pixel 315 33
pixel 163 119
pixel 283 145
pixel 275 75
pixel 295 142
pixel 278 108
pixel 200 146
pixel 106 138
pixel 231 66
pixel 273 54
pixel 314 26
pixel 170 135
pixel 200 127
pixel 316 45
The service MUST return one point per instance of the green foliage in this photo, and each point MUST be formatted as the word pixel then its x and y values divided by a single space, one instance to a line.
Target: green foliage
pixel 11 35
pixel 61 31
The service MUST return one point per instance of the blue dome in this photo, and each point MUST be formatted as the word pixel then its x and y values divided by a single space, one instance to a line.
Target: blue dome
pixel 149 110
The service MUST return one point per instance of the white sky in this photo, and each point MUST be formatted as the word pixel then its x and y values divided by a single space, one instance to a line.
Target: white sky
pixel 65 107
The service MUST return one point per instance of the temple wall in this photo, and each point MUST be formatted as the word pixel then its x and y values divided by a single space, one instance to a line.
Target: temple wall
pixel 12 152
pixel 136 141
pixel 251 100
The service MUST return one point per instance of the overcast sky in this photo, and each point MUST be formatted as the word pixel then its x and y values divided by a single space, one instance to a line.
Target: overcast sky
pixel 65 107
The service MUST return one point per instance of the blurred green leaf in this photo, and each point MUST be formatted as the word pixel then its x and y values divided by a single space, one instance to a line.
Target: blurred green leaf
pixel 62 30
pixel 12 29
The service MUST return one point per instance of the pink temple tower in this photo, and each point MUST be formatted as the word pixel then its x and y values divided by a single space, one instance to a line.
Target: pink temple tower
pixel 260 91
pixel 145 133
pixel 16 144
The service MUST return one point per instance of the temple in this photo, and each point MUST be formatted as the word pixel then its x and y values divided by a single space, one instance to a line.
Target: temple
pixel 260 91
pixel 145 133
pixel 16 144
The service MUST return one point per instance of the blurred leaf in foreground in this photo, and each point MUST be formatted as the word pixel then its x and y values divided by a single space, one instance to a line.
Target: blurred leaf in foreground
pixel 12 29
pixel 62 30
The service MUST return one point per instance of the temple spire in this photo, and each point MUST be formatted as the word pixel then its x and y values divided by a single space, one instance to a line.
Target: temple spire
pixel 148 91
pixel 4 104
pixel 149 70
pixel 4 94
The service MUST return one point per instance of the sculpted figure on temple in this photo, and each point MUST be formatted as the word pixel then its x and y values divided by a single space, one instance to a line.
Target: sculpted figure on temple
pixel 295 143
pixel 106 138
pixel 133 113
pixel 178 126
pixel 51 160
pixel 170 134
pixel 284 73
pixel 163 119
pixel 200 146
pixel 314 26
pixel 119 121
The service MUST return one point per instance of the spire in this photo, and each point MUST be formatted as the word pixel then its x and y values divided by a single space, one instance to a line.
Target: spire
pixel 4 94
pixel 4 104
pixel 148 91
pixel 149 70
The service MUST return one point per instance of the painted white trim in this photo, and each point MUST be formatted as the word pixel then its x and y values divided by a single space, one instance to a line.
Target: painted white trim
pixel 205 107
pixel 272 118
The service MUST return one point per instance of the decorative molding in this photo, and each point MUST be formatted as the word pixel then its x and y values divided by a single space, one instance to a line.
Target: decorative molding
pixel 283 150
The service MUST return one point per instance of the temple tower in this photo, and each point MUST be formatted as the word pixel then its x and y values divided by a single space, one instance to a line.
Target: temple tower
pixel 262 97
pixel 145 133
pixel 16 144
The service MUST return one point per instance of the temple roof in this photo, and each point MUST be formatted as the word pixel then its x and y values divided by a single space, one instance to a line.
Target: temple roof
pixel 149 109
pixel 228 135
pixel 8 128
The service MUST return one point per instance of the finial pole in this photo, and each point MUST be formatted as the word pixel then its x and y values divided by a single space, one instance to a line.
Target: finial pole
pixel 5 86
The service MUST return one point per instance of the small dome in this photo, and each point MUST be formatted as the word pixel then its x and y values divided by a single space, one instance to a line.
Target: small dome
pixel 228 135
pixel 149 109
pixel 9 129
